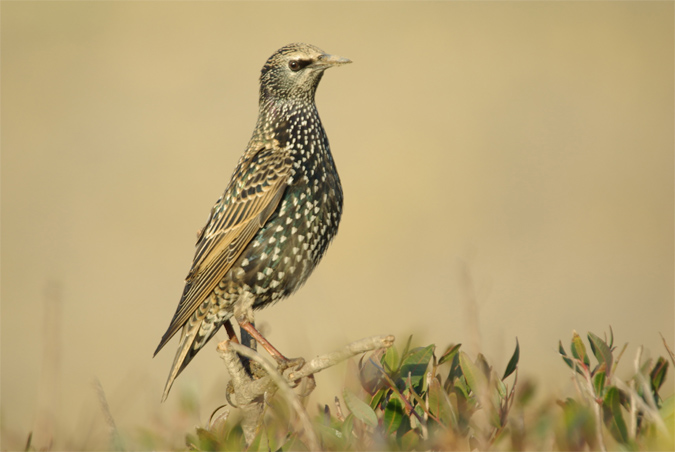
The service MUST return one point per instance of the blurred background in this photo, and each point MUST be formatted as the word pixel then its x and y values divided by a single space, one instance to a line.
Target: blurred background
pixel 507 168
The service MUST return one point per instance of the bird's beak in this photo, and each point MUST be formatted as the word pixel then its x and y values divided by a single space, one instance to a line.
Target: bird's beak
pixel 326 61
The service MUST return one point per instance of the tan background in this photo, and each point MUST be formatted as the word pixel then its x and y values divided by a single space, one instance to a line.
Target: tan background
pixel 516 154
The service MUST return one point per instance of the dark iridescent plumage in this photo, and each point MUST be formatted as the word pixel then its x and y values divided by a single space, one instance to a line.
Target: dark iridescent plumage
pixel 278 214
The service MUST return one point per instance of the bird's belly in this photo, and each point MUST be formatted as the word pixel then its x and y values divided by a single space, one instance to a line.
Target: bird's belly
pixel 286 250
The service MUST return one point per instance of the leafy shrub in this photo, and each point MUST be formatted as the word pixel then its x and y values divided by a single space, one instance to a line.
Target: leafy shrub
pixel 410 399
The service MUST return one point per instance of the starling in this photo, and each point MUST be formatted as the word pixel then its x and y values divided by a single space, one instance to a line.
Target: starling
pixel 278 214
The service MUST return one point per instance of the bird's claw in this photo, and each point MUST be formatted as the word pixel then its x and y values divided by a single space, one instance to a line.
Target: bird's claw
pixel 294 364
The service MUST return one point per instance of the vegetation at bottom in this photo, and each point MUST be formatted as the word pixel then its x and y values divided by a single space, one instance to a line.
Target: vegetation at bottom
pixel 415 398
pixel 419 398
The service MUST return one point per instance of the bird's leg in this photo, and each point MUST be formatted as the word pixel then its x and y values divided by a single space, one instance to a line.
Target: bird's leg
pixel 255 334
pixel 230 331
pixel 243 313
pixel 284 363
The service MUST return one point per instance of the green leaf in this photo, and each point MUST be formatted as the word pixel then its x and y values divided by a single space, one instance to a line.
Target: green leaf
pixel 460 384
pixel 579 349
pixel 599 382
pixel 513 362
pixel 455 371
pixel 390 360
pixel 439 404
pixel 475 378
pixel 567 360
pixel 347 427
pixel 449 354
pixel 613 415
pixel 562 352
pixel 658 375
pixel 501 389
pixel 611 337
pixel 601 351
pixel 360 409
pixel 415 364
pixel 393 415
pixel 377 398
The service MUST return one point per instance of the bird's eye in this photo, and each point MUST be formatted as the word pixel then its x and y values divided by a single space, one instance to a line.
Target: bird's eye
pixel 296 65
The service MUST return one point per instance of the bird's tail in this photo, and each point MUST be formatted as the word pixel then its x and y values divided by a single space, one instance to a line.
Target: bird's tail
pixel 196 333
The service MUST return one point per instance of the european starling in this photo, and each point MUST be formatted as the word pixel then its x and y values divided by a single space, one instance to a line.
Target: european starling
pixel 279 212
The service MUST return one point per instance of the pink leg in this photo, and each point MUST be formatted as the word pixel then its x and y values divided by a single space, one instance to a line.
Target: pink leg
pixel 255 334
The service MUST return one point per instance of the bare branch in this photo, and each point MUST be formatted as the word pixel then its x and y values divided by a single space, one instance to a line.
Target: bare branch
pixel 330 359
pixel 249 393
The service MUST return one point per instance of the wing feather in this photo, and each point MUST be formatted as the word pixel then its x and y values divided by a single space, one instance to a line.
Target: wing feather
pixel 252 196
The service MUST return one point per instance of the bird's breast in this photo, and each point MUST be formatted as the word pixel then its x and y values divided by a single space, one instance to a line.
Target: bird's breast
pixel 288 247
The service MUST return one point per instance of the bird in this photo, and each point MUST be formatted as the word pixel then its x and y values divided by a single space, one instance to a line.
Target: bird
pixel 278 214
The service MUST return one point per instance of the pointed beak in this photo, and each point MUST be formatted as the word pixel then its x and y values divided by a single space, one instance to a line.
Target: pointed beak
pixel 325 61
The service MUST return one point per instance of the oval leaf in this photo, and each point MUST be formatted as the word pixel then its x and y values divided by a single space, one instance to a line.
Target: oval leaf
pixel 475 379
pixel 415 364
pixel 390 360
pixel 449 354
pixel 599 382
pixel 612 408
pixel 439 404
pixel 601 351
pixel 360 409
pixel 393 415
pixel 579 349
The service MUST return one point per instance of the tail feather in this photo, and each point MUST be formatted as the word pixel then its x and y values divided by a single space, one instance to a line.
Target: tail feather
pixel 196 333
pixel 183 356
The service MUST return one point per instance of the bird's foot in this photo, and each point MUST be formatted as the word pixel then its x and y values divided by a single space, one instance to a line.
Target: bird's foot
pixel 292 363
pixel 306 384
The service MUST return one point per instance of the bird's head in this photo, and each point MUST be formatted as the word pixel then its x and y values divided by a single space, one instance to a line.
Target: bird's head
pixel 294 72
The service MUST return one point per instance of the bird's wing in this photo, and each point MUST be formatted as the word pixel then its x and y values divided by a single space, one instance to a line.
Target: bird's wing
pixel 251 197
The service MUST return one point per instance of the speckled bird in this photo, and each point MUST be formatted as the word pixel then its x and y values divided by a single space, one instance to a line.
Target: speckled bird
pixel 278 214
